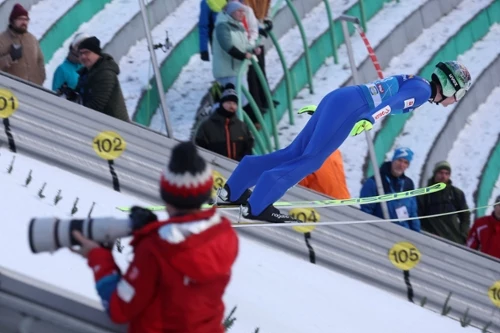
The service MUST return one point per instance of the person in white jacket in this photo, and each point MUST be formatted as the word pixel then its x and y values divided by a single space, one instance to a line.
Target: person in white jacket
pixel 254 31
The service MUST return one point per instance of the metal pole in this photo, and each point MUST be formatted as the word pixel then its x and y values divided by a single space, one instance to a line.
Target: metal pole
pixel 159 83
pixel 355 78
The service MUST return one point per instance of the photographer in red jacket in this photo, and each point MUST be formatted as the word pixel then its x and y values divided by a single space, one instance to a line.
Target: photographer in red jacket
pixel 485 233
pixel 181 266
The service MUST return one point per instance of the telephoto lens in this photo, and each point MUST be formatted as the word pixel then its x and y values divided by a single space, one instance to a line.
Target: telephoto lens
pixel 50 234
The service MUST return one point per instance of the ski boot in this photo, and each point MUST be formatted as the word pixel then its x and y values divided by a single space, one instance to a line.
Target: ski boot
pixel 270 214
pixel 223 195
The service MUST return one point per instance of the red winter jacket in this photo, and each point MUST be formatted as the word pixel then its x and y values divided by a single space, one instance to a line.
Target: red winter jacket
pixel 176 281
pixel 485 236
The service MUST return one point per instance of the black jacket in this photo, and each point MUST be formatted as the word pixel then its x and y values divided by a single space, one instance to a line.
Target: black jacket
pixel 100 89
pixel 454 227
pixel 224 134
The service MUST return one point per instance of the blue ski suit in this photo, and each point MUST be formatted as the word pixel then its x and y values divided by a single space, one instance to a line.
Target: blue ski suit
pixel 337 113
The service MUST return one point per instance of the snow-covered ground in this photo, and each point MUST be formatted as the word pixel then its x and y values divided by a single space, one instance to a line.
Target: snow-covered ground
pixel 104 25
pixel 477 60
pixel 45 13
pixel 471 150
pixel 264 287
pixel 136 69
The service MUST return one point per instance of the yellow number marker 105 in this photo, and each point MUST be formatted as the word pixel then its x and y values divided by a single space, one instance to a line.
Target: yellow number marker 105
pixel 109 145
pixel 404 255
pixel 8 103
pixel 494 293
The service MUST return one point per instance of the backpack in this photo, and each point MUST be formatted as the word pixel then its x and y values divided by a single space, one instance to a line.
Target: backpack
pixel 207 105
pixel 216 5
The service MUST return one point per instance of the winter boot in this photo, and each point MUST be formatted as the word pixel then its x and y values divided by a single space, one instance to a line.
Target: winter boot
pixel 223 195
pixel 270 214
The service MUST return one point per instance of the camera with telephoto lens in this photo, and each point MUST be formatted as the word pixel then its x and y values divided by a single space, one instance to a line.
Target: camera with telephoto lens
pixel 49 234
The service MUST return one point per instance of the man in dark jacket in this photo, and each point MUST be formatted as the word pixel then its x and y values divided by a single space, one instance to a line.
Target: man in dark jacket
pixel 453 227
pixel 394 180
pixel 98 85
pixel 223 133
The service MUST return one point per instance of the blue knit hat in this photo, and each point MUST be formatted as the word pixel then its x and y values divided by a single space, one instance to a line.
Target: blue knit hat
pixel 233 6
pixel 403 152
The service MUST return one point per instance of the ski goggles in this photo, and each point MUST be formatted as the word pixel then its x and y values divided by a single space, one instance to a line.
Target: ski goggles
pixel 459 91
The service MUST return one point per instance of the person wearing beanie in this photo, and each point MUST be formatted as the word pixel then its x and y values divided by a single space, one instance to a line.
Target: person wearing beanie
pixel 66 74
pixel 484 235
pixel 223 132
pixel 394 180
pixel 454 227
pixel 181 266
pixel 20 52
pixel 98 86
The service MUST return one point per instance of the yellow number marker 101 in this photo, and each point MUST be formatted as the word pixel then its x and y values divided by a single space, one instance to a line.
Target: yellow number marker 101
pixel 404 255
pixel 109 145
pixel 8 103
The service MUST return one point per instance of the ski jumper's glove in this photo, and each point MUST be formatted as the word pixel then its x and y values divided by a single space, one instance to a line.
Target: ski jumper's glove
pixel 360 127
pixel 309 109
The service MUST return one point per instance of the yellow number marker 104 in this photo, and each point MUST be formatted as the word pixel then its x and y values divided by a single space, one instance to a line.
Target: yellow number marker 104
pixel 305 215
pixel 109 145
pixel 404 255
pixel 494 293
pixel 8 103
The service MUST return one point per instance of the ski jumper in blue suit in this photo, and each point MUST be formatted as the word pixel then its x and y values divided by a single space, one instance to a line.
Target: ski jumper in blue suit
pixel 337 113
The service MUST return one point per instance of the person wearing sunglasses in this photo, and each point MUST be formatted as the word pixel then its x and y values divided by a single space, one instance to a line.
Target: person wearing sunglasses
pixel 344 112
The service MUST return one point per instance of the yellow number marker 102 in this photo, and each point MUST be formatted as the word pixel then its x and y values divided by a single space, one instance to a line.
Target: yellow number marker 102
pixel 109 145
pixel 404 255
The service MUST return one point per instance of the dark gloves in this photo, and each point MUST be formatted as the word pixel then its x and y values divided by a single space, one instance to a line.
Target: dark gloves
pixel 16 51
pixel 70 94
pixel 268 25
pixel 141 216
pixel 204 56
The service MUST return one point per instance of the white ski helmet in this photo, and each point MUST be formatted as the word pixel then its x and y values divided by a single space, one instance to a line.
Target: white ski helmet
pixel 454 78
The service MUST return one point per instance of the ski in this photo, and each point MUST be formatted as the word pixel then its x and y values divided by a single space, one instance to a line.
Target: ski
pixel 330 202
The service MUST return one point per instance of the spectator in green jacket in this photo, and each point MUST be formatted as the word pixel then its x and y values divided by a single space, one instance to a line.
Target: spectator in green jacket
pixel 454 227
pixel 230 48
pixel 223 133
pixel 98 87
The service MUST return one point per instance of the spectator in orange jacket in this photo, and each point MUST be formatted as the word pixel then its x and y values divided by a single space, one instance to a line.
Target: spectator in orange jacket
pixel 329 179
pixel 485 233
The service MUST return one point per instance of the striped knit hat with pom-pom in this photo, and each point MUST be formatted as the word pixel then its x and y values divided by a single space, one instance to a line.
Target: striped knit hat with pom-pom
pixel 186 183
